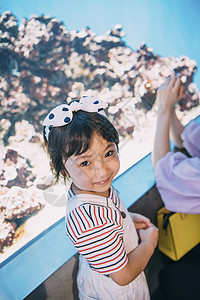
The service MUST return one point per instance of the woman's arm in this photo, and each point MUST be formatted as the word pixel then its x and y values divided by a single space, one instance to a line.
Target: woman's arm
pixel 168 94
pixel 161 139
pixel 138 258
pixel 176 128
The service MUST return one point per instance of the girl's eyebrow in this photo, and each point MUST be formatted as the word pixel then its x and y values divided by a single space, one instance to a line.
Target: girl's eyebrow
pixel 81 156
pixel 109 145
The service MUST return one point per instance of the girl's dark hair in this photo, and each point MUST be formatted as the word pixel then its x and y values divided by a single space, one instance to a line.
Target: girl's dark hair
pixel 75 138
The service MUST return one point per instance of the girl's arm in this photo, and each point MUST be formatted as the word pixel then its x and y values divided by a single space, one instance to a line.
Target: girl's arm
pixel 168 94
pixel 138 258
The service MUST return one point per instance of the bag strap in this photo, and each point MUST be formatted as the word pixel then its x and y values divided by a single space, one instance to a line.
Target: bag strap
pixel 166 219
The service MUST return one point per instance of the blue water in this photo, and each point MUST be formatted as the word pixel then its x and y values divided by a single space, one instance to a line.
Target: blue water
pixel 170 27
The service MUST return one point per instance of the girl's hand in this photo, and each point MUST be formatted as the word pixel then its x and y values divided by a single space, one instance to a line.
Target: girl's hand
pixel 141 222
pixel 170 92
pixel 138 257
pixel 149 235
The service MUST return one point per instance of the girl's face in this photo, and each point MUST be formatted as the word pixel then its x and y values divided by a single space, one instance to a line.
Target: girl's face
pixel 93 171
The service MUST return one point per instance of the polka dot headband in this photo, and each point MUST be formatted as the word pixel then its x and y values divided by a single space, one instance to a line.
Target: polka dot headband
pixel 63 114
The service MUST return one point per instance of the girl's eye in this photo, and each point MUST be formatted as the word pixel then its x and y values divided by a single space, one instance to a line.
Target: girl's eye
pixel 85 163
pixel 109 153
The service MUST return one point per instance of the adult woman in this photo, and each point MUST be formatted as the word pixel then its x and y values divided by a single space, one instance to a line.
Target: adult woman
pixel 177 174
pixel 177 177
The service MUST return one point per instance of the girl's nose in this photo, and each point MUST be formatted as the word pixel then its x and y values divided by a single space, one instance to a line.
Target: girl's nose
pixel 100 169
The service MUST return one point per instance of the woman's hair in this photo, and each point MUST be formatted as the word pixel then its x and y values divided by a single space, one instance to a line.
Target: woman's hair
pixel 75 138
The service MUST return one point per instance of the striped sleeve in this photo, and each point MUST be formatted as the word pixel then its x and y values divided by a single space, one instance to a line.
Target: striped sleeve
pixel 97 233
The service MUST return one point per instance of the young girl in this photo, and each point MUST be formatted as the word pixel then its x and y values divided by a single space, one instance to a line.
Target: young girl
pixel 83 145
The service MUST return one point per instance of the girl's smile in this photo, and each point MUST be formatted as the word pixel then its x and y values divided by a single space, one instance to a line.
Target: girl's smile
pixel 103 182
pixel 94 170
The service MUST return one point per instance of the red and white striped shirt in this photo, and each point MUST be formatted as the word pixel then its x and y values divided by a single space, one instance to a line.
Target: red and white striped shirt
pixel 95 226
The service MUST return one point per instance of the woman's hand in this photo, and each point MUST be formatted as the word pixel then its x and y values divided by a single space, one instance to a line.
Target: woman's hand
pixel 141 222
pixel 170 92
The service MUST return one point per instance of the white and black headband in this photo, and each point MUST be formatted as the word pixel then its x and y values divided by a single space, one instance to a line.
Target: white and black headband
pixel 63 114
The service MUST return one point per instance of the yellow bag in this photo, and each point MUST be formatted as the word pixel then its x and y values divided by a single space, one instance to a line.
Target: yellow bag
pixel 178 232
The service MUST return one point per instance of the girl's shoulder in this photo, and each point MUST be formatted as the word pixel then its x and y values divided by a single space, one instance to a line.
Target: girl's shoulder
pixel 92 211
